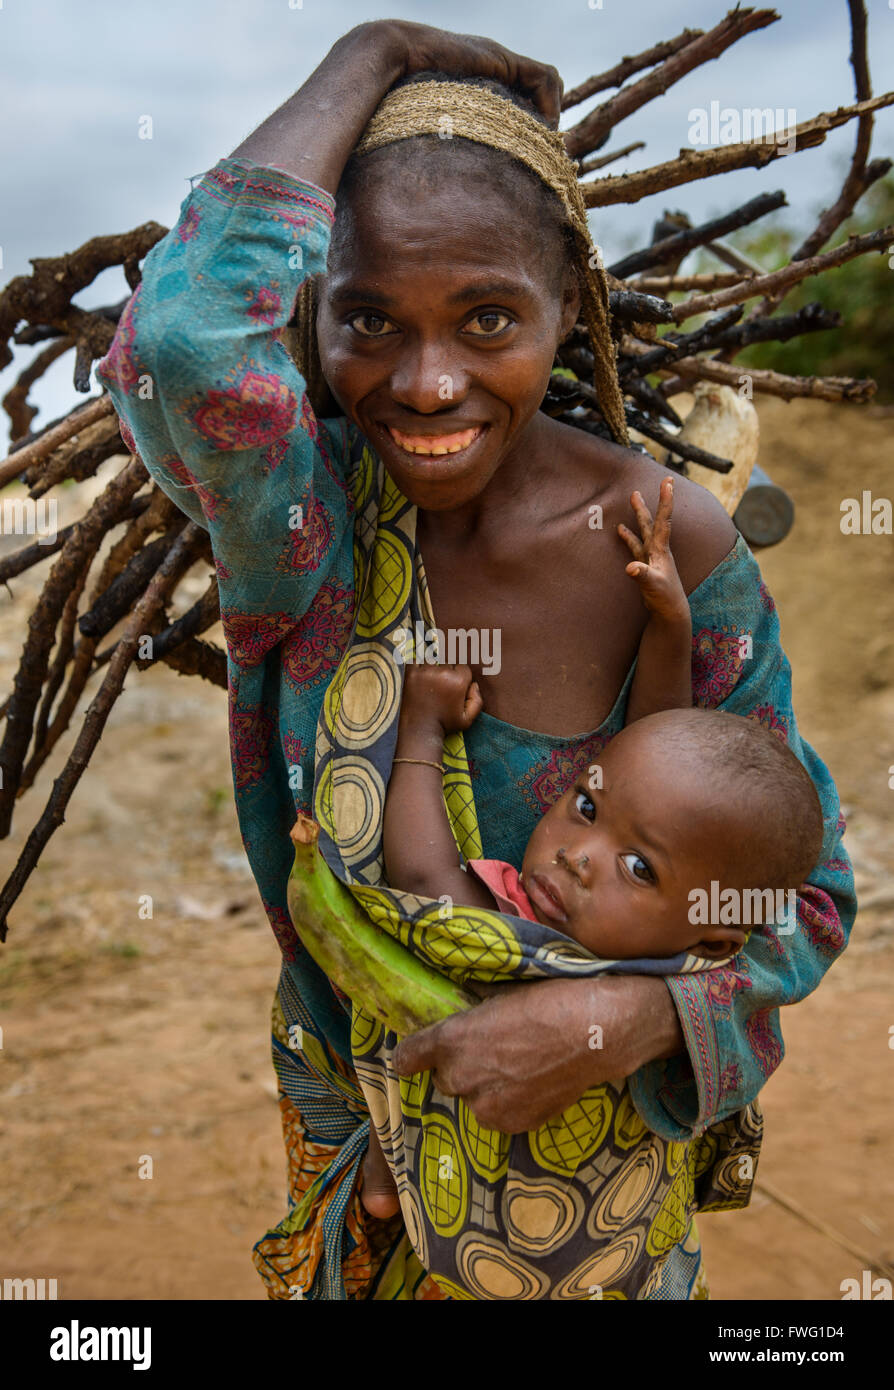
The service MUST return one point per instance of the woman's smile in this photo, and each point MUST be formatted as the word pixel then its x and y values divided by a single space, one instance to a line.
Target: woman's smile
pixel 431 444
pixel 416 459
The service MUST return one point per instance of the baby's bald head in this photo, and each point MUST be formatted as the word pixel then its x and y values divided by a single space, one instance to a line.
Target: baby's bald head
pixel 751 789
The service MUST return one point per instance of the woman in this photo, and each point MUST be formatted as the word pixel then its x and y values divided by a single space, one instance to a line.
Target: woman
pixel 450 284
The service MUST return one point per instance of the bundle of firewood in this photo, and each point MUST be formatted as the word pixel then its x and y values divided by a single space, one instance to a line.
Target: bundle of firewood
pixel 92 589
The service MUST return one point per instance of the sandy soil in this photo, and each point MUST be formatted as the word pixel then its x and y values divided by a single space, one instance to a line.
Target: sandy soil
pixel 126 1037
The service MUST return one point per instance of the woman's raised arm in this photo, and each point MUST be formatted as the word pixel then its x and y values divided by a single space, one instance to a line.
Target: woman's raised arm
pixel 215 405
pixel 312 134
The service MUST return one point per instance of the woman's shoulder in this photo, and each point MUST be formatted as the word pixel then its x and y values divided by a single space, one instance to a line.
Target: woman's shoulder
pixel 702 532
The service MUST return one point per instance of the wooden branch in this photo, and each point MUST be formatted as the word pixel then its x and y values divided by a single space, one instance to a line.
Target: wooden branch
pixel 204 613
pixel 631 307
pixel 37 333
pixel 61 656
pixel 44 297
pixel 31 555
pixel 15 402
pixel 681 243
pixel 788 275
pixel 592 131
pixel 855 184
pixel 733 258
pixel 702 164
pixel 197 658
pixel 26 455
pixel 84 356
pixel 94 336
pixel 158 511
pixel 121 594
pixel 813 318
pixel 675 345
pixel 589 166
pixel 603 81
pixel 648 396
pixel 860 175
pixel 666 284
pixel 590 424
pixel 821 388
pixel 78 550
pixel 720 334
pixel 163 582
pixel 683 448
pixel 78 457
pixel 178 644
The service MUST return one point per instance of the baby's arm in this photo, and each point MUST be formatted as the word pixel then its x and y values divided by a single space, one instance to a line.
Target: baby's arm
pixel 663 677
pixel 420 851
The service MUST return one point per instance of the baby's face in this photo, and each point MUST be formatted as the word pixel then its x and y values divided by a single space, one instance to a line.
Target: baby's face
pixel 613 868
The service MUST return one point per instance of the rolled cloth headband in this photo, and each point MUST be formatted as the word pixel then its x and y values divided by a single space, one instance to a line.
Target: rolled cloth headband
pixel 477 114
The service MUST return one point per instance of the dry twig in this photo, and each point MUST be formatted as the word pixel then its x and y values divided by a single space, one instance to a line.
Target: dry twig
pixel 702 164
pixel 161 585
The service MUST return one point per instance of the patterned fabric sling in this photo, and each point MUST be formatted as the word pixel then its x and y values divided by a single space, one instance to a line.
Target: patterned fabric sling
pixel 590 1204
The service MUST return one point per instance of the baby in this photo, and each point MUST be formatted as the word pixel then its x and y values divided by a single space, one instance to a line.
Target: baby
pixel 686 806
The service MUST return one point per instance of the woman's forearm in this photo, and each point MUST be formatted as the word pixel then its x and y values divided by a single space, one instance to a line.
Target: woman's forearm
pixel 653 1027
pixel 312 134
pixel 533 1049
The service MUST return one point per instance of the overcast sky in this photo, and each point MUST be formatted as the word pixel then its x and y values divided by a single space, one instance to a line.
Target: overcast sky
pixel 77 75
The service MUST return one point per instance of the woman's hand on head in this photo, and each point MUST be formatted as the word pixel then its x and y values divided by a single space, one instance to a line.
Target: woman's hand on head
pixel 531 1050
pixel 420 48
pixel 313 133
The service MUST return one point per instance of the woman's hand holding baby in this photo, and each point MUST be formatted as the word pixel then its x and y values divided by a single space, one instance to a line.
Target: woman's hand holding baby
pixel 522 1057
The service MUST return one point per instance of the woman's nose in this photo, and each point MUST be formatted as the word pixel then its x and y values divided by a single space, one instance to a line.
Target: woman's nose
pixel 425 381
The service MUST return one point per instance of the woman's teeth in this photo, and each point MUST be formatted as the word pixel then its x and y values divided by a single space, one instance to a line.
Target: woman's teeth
pixel 431 444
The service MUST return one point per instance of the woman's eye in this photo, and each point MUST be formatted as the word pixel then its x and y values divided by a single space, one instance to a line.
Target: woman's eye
pixel 488 324
pixel 370 325
pixel 584 805
pixel 637 866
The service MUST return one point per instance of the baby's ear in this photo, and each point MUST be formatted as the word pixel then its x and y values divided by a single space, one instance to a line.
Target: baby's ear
pixel 720 942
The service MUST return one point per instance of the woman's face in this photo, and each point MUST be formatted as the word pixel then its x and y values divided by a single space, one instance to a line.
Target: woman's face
pixel 437 328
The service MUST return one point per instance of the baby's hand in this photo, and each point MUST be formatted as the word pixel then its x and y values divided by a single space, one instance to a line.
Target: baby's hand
pixel 443 695
pixel 653 565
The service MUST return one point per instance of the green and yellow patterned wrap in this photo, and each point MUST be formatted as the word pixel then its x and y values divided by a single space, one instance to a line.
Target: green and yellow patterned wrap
pixel 589 1205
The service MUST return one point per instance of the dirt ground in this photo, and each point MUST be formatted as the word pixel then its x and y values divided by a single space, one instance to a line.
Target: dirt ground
pixel 127 1038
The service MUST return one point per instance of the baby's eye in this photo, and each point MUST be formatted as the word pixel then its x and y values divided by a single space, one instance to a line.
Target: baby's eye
pixel 488 324
pixel 584 805
pixel 370 325
pixel 638 867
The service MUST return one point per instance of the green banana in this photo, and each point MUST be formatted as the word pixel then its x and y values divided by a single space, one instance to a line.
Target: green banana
pixel 373 969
